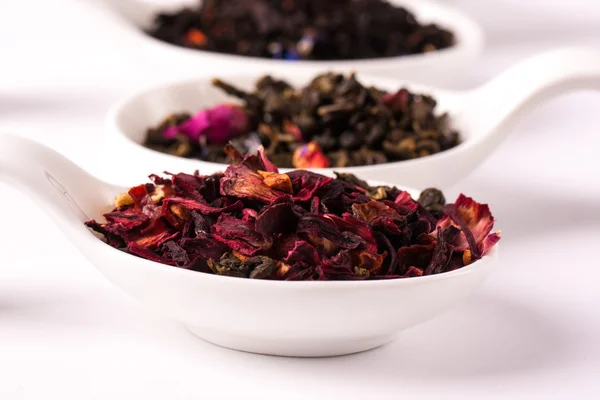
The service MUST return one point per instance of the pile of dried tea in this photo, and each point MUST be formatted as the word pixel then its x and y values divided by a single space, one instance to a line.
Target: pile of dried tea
pixel 301 29
pixel 253 222
pixel 334 121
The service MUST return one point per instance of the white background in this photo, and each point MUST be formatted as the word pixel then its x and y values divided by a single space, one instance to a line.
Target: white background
pixel 532 330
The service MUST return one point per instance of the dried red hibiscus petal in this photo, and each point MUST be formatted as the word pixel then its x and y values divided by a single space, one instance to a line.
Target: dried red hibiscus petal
pixel 244 181
pixel 305 184
pixel 276 219
pixel 323 233
pixel 226 206
pixel 253 222
pixel 302 251
pixel 348 223
pixel 239 235
pixel 475 223
pixel 125 220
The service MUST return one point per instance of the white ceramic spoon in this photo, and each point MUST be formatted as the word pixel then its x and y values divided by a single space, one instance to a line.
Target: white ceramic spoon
pixel 484 116
pixel 439 67
pixel 270 317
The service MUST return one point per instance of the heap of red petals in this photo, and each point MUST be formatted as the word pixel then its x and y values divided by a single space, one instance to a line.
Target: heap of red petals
pixel 253 222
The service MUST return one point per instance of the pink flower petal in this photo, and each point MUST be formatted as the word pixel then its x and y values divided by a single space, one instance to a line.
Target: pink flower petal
pixel 397 101
pixel 488 243
pixel 269 166
pixel 475 217
pixel 219 124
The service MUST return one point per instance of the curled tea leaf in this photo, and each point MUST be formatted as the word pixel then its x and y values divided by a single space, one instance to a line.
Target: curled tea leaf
pixel 433 201
pixel 260 267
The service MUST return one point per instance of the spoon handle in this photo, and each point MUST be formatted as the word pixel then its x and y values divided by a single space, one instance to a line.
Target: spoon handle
pixel 54 182
pixel 494 108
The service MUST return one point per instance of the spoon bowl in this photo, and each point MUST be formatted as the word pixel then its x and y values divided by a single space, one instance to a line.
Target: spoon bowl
pixel 440 67
pixel 484 116
pixel 321 318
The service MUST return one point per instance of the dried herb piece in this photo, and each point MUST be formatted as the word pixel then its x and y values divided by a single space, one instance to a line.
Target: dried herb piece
pixel 228 265
pixel 260 267
pixel 301 29
pixel 432 200
pixel 475 222
pixel 253 222
pixel 334 121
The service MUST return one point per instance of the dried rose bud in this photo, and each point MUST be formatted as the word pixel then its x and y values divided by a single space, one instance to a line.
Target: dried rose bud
pixel 310 156
pixel 218 124
pixel 290 127
pixel 397 101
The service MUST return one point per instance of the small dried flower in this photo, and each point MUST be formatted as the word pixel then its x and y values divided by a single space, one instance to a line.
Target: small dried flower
pixel 310 156
pixel 218 124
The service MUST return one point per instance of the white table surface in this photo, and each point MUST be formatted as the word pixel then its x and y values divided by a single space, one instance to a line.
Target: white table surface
pixel 531 331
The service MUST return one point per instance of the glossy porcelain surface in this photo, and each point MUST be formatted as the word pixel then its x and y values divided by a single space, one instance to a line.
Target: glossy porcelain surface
pixel 269 317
